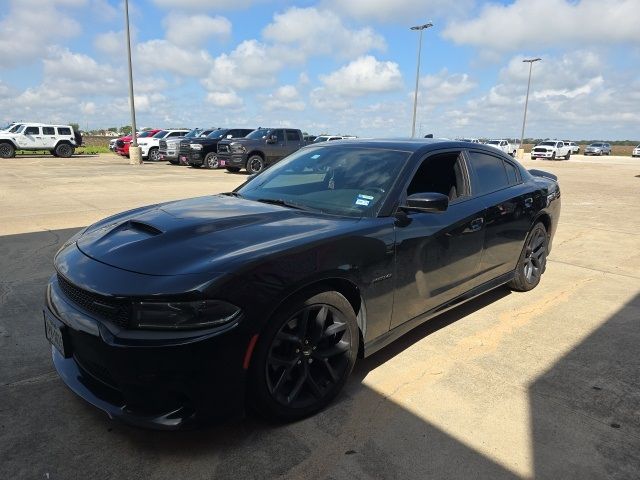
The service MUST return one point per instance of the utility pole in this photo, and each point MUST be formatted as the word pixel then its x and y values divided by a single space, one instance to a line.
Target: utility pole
pixel 415 94
pixel 530 61
pixel 135 153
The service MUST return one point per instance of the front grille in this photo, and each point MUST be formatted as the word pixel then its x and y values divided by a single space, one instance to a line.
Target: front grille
pixel 119 143
pixel 116 311
pixel 163 145
pixel 184 146
pixel 540 150
pixel 96 370
pixel 223 148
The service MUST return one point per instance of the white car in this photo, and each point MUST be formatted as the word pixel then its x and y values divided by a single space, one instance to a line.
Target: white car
pixel 503 145
pixel 575 148
pixel 551 149
pixel 151 145
pixel 469 140
pixel 636 152
pixel 329 138
pixel 60 140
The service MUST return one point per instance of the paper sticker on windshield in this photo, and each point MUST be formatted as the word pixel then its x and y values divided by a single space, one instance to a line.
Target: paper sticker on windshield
pixel 365 197
pixel 317 155
pixel 363 202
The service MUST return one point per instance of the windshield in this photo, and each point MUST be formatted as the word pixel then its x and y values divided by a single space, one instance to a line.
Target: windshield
pixel 7 127
pixel 217 133
pixel 493 142
pixel 341 180
pixel 320 139
pixel 193 133
pixel 160 134
pixel 15 128
pixel 596 145
pixel 550 144
pixel 146 134
pixel 259 133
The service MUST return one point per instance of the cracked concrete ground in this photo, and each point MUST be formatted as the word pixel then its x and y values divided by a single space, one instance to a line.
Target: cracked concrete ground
pixel 544 384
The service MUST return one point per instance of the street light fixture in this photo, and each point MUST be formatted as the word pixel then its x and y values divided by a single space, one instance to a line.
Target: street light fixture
pixel 530 61
pixel 135 155
pixel 415 94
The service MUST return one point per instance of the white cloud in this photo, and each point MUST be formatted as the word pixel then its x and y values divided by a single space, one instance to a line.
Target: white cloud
pixel 204 4
pixel 285 97
pixel 527 24
pixel 363 76
pixel 194 30
pixel 164 56
pixel 418 11
pixel 88 108
pixel 226 99
pixel 321 32
pixel 112 43
pixel 249 65
pixel 31 25
pixel 444 87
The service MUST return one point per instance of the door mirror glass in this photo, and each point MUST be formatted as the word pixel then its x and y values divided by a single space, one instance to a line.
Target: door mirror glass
pixel 426 202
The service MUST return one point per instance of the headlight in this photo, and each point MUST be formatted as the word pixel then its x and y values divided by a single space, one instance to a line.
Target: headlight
pixel 195 146
pixel 236 147
pixel 183 315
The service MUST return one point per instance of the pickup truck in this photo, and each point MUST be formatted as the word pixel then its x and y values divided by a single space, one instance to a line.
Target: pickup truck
pixel 551 149
pixel 169 149
pixel 503 145
pixel 260 149
pixel 203 152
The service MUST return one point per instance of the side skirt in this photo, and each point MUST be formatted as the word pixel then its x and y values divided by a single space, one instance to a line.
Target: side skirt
pixel 392 335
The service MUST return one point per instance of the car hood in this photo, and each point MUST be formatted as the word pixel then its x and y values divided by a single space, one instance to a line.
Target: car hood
pixel 205 234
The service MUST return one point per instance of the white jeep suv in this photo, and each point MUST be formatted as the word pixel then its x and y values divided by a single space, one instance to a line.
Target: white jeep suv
pixel 151 145
pixel 551 149
pixel 60 140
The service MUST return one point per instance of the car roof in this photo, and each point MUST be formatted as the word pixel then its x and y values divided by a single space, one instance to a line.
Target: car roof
pixel 405 144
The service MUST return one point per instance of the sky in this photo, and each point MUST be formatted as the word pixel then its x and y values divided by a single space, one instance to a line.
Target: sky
pixel 328 66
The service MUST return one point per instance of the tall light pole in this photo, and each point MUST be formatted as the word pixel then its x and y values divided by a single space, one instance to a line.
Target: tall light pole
pixel 530 61
pixel 135 155
pixel 415 94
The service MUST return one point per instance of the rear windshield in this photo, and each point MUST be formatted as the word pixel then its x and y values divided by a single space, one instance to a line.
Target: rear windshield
pixel 597 145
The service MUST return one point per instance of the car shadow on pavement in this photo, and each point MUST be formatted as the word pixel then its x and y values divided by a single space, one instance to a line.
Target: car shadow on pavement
pixel 47 432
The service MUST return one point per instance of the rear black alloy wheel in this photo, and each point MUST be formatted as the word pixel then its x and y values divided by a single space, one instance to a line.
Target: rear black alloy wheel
pixel 305 357
pixel 7 150
pixel 211 160
pixel 532 261
pixel 255 164
pixel 64 150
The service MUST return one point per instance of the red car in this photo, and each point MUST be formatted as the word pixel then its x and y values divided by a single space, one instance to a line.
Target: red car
pixel 122 144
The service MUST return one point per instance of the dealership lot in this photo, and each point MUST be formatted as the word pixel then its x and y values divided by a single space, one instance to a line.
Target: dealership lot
pixel 544 384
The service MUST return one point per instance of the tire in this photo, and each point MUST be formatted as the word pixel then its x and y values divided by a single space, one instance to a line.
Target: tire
pixel 211 161
pixel 64 150
pixel 533 260
pixel 568 155
pixel 7 150
pixel 553 156
pixel 153 155
pixel 53 152
pixel 233 169
pixel 298 368
pixel 255 164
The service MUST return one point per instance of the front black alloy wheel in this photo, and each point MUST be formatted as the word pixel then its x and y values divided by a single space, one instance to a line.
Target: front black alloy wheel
pixel 255 164
pixel 7 150
pixel 305 356
pixel 532 261
pixel 211 161
pixel 154 155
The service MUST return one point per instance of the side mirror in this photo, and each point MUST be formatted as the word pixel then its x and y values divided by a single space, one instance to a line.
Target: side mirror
pixel 426 202
pixel 272 139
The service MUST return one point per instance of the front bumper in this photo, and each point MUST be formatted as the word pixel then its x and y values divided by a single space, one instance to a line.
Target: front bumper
pixel 547 154
pixel 146 380
pixel 168 155
pixel 593 152
pixel 238 160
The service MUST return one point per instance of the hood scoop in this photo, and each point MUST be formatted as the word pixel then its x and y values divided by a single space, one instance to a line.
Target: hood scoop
pixel 141 226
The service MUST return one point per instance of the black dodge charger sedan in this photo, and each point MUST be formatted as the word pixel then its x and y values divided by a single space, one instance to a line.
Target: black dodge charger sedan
pixel 264 297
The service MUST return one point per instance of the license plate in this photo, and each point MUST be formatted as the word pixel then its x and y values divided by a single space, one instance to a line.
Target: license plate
pixel 221 163
pixel 183 158
pixel 55 332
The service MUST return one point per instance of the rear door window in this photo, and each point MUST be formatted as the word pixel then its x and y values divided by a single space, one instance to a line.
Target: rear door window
pixel 48 131
pixel 293 136
pixel 512 173
pixel 490 173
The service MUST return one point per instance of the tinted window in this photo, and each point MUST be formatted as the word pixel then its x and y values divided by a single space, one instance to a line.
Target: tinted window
pixel 64 131
pixel 490 173
pixel 48 131
pixel 279 134
pixel 32 131
pixel 176 134
pixel 512 173
pixel 293 135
